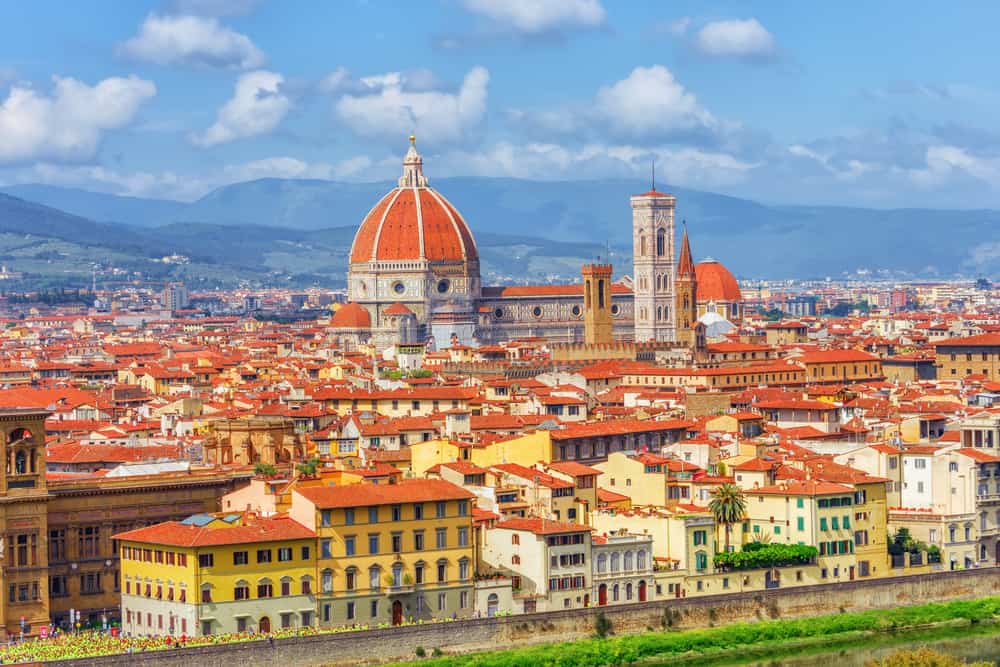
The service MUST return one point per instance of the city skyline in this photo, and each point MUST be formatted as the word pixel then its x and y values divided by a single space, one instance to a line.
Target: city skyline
pixel 850 106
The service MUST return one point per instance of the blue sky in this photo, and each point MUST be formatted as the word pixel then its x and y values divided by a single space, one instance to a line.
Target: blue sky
pixel 874 104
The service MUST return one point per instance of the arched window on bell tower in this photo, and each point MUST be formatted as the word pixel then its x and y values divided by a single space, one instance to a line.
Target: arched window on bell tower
pixel 661 242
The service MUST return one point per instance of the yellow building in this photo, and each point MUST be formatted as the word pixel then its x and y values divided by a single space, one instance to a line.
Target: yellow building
pixel 973 355
pixel 847 524
pixel 391 552
pixel 214 574
pixel 525 450
pixel 648 479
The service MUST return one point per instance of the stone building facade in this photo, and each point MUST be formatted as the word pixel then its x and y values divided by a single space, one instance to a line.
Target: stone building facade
pixel 414 250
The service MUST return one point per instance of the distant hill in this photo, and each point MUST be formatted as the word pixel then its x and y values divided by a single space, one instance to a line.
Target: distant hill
pixel 55 248
pixel 753 239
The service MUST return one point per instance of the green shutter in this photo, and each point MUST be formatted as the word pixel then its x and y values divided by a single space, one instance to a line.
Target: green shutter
pixel 801 523
pixel 822 523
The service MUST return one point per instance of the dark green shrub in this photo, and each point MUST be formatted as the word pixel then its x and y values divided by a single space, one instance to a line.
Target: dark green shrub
pixel 602 626
pixel 420 652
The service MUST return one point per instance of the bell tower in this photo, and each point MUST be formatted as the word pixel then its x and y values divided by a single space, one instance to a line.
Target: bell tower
pixel 597 325
pixel 23 521
pixel 653 266
pixel 686 288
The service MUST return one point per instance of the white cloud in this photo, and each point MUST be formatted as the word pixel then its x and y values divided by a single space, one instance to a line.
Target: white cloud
pixel 650 101
pixel 546 161
pixel 736 38
pixel 289 167
pixel 943 162
pixel 540 16
pixel 850 171
pixel 69 123
pixel 256 107
pixel 387 106
pixel 336 82
pixel 192 40
pixel 187 187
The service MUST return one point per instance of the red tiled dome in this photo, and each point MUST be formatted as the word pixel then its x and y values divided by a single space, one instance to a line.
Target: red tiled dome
pixel 351 316
pixel 715 282
pixel 413 222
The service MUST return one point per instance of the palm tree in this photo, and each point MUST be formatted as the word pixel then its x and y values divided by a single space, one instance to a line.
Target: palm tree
pixel 729 506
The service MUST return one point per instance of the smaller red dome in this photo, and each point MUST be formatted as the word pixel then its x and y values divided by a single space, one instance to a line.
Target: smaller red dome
pixel 397 309
pixel 351 316
pixel 715 282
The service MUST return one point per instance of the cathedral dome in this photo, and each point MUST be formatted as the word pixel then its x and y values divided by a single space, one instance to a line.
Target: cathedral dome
pixel 351 316
pixel 413 222
pixel 715 282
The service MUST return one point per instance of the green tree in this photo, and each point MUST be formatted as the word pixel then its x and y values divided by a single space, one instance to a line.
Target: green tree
pixel 264 469
pixel 729 506
pixel 308 468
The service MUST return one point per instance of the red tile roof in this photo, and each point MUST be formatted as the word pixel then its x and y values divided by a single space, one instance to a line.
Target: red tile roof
pixel 253 530
pixel 365 495
pixel 542 526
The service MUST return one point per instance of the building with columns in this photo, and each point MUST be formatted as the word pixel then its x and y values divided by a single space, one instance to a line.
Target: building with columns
pixel 415 254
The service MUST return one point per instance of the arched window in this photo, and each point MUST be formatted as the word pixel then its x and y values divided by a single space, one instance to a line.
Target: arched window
pixel 286 586
pixel 463 569
pixel 602 562
pixel 628 591
pixel 640 560
pixel 442 571
pixel 20 462
pixel 241 590
pixel 659 313
pixel 515 560
pixel 206 593
pixel 326 580
pixel 306 584
pixel 586 295
pixel 600 293
pixel 615 592
pixel 657 282
pixel 642 244
pixel 615 562
pixel 374 574
pixel 628 560
pixel 265 589
pixel 397 574
pixel 661 242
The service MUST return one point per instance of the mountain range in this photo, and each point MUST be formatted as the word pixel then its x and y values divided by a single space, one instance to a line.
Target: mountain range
pixel 299 232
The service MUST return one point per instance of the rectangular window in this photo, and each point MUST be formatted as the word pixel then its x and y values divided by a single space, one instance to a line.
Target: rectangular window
pixel 463 508
pixel 397 543
pixel 463 536
pixel 374 608
pixel 305 553
pixel 206 560
pixel 441 538
pixel 800 523
pixel 349 517
pixel 418 511
pixel 284 554
pixel 822 523
pixel 442 601
pixel 350 546
pixel 834 523
pixel 800 503
pixel 350 611
pixel 326 518
pixel 263 555
pixel 325 550
pixel 397 513
pixel 847 522
pixel 241 557
pixel 373 543
pixel 418 540
pixel 440 509
pixel 372 515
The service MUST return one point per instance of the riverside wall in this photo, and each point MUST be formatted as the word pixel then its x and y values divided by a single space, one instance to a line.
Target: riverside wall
pixel 381 645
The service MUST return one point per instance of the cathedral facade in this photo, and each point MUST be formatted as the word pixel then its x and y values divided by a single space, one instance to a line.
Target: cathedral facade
pixel 414 277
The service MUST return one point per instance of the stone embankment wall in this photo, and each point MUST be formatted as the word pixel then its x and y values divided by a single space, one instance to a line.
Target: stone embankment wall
pixel 374 646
